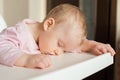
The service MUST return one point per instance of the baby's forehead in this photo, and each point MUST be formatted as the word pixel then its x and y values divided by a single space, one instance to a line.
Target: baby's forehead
pixel 71 41
pixel 74 32
pixel 70 45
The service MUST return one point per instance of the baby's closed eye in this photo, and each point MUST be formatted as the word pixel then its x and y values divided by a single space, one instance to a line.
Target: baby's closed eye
pixel 61 44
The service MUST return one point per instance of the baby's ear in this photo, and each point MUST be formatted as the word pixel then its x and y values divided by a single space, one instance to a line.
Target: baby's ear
pixel 49 24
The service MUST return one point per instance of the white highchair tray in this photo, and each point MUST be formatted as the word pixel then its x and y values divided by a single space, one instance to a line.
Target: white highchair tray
pixel 69 66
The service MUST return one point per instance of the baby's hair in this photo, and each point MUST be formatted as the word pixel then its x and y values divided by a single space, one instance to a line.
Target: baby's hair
pixel 64 12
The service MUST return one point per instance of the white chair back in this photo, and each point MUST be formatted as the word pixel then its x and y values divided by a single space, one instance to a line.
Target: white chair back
pixel 3 24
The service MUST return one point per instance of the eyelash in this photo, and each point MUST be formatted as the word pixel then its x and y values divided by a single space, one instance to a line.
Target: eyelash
pixel 60 44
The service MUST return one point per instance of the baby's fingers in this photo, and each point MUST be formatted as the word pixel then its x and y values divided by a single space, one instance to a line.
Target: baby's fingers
pixel 103 50
pixel 110 49
pixel 42 61
pixel 97 52
pixel 100 49
pixel 43 65
pixel 46 62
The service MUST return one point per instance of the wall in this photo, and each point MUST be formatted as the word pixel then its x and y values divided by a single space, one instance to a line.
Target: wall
pixel 16 10
pixel 118 20
pixel 89 9
pixel 37 9
pixel 117 57
pixel 1 7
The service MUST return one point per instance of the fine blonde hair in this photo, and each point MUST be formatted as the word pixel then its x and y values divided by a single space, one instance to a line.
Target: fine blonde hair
pixel 63 12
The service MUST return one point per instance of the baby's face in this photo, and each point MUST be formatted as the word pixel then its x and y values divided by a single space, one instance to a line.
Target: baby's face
pixel 65 37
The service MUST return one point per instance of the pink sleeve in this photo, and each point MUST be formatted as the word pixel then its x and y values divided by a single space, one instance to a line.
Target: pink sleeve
pixel 9 46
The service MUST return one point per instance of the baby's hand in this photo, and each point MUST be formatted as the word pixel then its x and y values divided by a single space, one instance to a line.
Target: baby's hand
pixel 38 61
pixel 100 48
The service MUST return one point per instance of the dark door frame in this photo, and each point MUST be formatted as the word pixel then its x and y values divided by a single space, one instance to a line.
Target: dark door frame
pixel 106 28
pixel 106 22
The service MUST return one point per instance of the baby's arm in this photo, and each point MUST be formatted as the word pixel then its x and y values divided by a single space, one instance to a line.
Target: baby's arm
pixel 96 47
pixel 34 61
pixel 11 55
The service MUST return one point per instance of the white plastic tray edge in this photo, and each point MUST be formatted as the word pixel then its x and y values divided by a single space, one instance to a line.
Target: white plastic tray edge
pixel 79 71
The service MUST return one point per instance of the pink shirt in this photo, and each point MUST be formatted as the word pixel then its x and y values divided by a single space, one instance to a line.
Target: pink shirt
pixel 15 41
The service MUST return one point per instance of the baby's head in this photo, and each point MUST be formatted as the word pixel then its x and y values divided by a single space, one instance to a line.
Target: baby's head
pixel 63 29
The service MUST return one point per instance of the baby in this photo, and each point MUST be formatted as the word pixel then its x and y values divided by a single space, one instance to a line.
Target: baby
pixel 31 43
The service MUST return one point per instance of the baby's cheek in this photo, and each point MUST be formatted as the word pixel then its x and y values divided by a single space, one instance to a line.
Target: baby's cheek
pixel 44 47
pixel 77 50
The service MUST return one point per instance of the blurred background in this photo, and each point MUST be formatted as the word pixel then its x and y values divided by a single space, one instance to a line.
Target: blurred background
pixel 102 17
